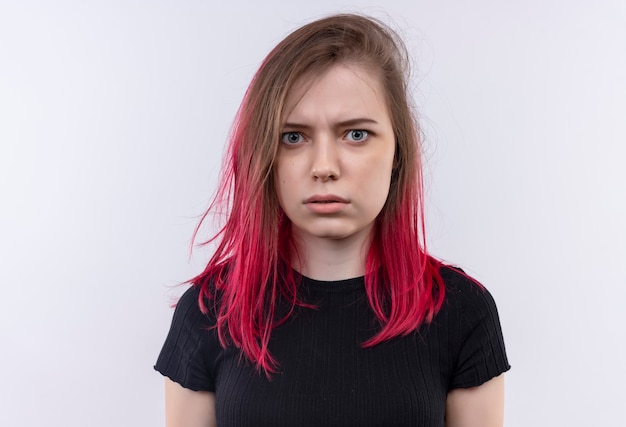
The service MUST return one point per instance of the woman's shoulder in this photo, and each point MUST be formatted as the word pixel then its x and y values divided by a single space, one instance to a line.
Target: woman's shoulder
pixel 464 293
pixel 455 278
pixel 196 305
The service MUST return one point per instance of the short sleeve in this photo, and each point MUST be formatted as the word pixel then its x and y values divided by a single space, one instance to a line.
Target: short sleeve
pixel 189 349
pixel 480 351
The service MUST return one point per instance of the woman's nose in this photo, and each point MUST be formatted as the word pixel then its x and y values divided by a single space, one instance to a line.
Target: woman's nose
pixel 325 164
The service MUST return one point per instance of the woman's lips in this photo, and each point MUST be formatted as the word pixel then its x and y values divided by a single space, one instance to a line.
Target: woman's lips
pixel 326 198
pixel 326 203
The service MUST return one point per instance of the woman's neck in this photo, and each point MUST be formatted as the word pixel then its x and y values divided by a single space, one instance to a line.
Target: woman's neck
pixel 332 259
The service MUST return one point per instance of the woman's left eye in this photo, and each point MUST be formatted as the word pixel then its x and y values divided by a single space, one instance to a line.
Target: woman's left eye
pixel 357 135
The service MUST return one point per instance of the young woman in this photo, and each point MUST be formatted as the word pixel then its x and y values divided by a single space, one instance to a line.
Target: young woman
pixel 320 305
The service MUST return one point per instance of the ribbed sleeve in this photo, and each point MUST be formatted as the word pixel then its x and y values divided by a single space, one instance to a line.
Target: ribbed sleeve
pixel 187 353
pixel 480 353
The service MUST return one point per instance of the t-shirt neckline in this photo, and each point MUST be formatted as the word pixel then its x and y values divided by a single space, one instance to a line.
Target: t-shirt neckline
pixel 334 286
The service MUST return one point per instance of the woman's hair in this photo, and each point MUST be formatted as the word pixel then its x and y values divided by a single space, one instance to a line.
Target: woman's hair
pixel 249 272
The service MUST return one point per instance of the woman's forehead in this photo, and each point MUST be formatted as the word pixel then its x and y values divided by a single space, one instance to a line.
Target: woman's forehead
pixel 360 83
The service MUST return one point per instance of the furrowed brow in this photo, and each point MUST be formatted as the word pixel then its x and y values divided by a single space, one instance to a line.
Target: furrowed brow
pixel 357 121
pixel 291 125
pixel 344 123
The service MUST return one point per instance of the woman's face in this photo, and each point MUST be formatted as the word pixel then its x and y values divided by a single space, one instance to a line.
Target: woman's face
pixel 336 156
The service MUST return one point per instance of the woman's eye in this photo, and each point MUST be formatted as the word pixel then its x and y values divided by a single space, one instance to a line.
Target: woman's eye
pixel 291 137
pixel 357 135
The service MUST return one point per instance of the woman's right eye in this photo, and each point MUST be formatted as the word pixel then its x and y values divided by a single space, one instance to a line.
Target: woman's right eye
pixel 291 137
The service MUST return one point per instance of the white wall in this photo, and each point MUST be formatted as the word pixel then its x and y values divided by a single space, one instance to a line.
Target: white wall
pixel 112 119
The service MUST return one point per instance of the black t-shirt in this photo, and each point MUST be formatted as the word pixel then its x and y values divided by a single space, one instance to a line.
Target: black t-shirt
pixel 326 377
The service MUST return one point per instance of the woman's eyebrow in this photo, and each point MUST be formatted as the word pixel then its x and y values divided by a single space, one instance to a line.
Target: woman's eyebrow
pixel 358 121
pixel 292 125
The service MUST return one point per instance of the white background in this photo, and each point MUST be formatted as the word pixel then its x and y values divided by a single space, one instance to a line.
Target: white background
pixel 113 115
